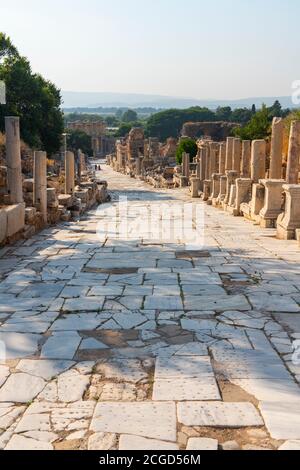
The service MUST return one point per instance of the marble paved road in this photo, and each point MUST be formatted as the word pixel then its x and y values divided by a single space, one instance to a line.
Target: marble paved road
pixel 150 324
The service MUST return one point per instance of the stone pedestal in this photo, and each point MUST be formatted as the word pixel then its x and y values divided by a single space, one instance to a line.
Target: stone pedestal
pixel 276 149
pixel 195 187
pixel 69 173
pixel 289 221
pixel 246 159
pixel 242 194
pixel 231 177
pixel 215 187
pixel 40 183
pixel 257 201
pixel 292 172
pixel 206 190
pixel 272 203
pixel 186 165
pixel 222 194
pixel 13 160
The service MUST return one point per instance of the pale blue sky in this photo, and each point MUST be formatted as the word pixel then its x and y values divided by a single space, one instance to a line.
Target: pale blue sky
pixel 192 48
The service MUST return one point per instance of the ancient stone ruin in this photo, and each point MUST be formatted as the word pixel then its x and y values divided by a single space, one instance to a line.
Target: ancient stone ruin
pixel 30 204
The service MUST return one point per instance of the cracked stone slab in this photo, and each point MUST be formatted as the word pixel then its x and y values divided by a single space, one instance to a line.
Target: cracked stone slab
pixel 216 303
pixel 61 345
pixel 163 302
pixel 290 445
pixel 218 414
pixel 127 370
pixel 282 419
pixel 270 389
pixel 273 303
pixel 202 443
pixel 186 389
pixel 129 320
pixel 183 367
pixel 84 304
pixel 21 388
pixel 77 322
pixel 47 369
pixel 128 442
pixel 20 345
pixel 4 373
pixel 122 418
pixel 71 386
pixel 9 414
pixel 24 443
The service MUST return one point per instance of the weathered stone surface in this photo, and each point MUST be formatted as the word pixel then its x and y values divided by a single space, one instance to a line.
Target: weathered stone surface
pixel 102 441
pixel 21 388
pixel 290 445
pixel 140 443
pixel 142 417
pixel 61 345
pixel 282 419
pixel 45 369
pixel 25 443
pixel 218 414
pixel 19 345
pixel 15 219
pixel 201 443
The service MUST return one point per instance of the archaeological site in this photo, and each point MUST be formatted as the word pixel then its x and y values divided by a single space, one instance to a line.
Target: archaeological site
pixel 149 244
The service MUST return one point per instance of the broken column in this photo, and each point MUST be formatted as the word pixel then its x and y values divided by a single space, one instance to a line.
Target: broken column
pixel 292 175
pixel 69 173
pixel 40 183
pixel 13 160
pixel 222 158
pixel 276 149
pixel 289 221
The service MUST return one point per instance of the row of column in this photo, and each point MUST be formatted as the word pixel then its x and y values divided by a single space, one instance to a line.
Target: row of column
pixel 14 169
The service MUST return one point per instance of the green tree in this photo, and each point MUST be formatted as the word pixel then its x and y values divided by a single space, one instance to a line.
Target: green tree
pixel 169 123
pixel 241 115
pixel 259 126
pixel 35 100
pixel 223 113
pixel 129 116
pixel 186 145
pixel 124 129
pixel 79 140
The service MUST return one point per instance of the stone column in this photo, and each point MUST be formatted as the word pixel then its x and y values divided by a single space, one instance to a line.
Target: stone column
pixel 236 161
pixel 289 221
pixel 292 173
pixel 243 194
pixel 187 163
pixel 246 158
pixel 215 186
pixel 138 166
pixel 195 186
pixel 207 168
pixel 13 160
pixel 258 160
pixel 272 203
pixel 276 149
pixel 184 164
pixel 198 170
pixel 222 158
pixel 213 160
pixel 69 173
pixel 229 153
pixel 40 183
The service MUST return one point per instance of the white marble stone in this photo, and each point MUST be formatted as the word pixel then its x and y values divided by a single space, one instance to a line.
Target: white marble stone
pixel 21 388
pixel 46 369
pixel 128 442
pixel 202 443
pixel 218 414
pixel 282 419
pixel 122 418
pixel 61 345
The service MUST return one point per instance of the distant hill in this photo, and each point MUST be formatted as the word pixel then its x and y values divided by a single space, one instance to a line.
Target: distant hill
pixel 73 99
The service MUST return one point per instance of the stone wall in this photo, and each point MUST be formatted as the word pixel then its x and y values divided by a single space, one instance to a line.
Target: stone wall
pixel 217 131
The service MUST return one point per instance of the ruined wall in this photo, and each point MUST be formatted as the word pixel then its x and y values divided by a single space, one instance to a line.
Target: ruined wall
pixel 218 131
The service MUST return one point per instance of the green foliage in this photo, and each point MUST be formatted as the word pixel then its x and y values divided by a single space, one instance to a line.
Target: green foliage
pixel 35 100
pixel 79 140
pixel 223 113
pixel 169 123
pixel 129 116
pixel 259 126
pixel 186 146
pixel 72 117
pixel 241 115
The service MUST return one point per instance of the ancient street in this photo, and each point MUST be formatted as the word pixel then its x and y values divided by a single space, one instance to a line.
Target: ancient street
pixel 141 343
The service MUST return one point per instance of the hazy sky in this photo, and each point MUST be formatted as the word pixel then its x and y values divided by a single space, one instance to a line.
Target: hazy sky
pixel 193 48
